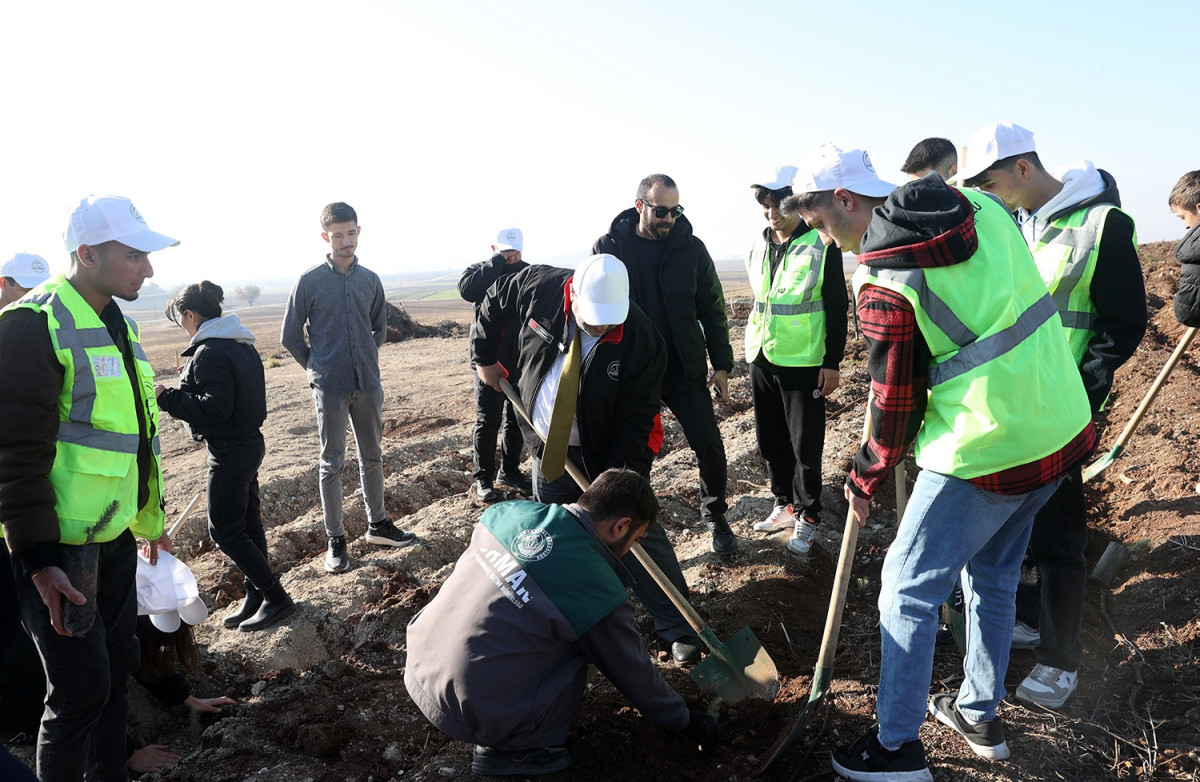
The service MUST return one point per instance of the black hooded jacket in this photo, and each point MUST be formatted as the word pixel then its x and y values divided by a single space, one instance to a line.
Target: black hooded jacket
pixel 1187 300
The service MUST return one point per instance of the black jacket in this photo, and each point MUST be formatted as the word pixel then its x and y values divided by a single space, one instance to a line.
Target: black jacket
pixel 474 285
pixel 222 392
pixel 620 381
pixel 691 292
pixel 1187 300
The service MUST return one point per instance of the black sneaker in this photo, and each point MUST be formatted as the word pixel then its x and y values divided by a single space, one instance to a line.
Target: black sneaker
pixel 336 558
pixel 385 534
pixel 986 738
pixel 515 480
pixel 491 762
pixel 723 539
pixel 484 491
pixel 866 760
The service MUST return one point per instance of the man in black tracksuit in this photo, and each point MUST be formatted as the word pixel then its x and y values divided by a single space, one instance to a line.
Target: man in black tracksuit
pixel 672 278
pixel 493 413
pixel 616 413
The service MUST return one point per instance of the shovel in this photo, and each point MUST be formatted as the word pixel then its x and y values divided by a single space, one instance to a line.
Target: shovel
pixel 739 668
pixel 1098 466
pixel 823 673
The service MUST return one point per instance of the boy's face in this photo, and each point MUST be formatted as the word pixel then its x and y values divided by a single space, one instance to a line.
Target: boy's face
pixel 1190 217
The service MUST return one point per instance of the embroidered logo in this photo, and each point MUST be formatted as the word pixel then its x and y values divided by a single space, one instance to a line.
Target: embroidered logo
pixel 541 331
pixel 133 211
pixel 867 163
pixel 532 545
pixel 614 370
pixel 38 265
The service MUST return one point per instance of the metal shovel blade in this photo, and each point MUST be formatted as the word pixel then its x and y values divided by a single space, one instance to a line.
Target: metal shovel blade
pixel 746 672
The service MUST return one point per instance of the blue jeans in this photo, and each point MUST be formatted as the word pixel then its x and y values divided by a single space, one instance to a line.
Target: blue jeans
pixel 950 530
pixel 363 410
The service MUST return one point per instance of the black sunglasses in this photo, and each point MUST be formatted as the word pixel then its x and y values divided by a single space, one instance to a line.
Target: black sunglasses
pixel 662 211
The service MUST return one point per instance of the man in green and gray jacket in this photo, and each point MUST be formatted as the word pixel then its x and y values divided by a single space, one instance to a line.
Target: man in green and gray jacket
pixel 499 657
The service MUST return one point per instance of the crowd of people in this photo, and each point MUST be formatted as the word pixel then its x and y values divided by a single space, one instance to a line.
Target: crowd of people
pixel 996 298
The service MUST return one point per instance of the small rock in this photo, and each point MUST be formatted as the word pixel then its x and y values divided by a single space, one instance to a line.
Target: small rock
pixel 446 771
pixel 392 753
pixel 258 687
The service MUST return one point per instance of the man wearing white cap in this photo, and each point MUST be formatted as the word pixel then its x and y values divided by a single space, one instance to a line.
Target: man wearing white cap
pixel 20 274
pixel 795 337
pixel 494 413
pixel 80 475
pixel 585 318
pixel 966 357
pixel 1086 250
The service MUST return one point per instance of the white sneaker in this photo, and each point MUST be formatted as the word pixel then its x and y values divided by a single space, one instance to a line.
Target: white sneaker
pixel 1049 687
pixel 1025 637
pixel 783 517
pixel 802 537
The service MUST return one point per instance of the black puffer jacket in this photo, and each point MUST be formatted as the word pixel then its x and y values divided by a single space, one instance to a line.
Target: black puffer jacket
pixel 620 381
pixel 691 292
pixel 1187 300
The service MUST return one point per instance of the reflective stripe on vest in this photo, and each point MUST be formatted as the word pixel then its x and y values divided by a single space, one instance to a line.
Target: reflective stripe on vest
pixel 787 323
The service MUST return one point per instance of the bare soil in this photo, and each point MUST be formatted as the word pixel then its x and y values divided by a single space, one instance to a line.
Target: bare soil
pixel 322 698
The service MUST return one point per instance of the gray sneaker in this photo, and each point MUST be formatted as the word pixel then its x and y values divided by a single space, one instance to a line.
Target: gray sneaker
pixel 336 558
pixel 803 533
pixel 1049 687
pixel 1025 637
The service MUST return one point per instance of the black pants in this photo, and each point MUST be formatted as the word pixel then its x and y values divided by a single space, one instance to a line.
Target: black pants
pixel 234 510
pixel 692 404
pixel 493 414
pixel 790 426
pixel 83 727
pixel 1054 575
pixel 669 623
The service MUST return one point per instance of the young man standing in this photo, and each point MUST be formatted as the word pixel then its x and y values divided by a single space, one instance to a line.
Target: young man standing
pixel 341 306
pixel 673 280
pixel 20 274
pixel 1086 251
pixel 967 358
pixel 795 337
pixel 80 475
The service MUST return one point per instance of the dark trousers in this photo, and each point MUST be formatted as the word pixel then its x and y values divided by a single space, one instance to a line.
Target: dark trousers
pixel 1054 575
pixel 669 623
pixel 790 426
pixel 82 735
pixel 234 510
pixel 493 414
pixel 692 404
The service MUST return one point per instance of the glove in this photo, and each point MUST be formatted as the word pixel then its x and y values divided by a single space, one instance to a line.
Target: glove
pixel 702 730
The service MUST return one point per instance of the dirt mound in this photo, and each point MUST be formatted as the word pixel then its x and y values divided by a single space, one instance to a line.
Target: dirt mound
pixel 401 326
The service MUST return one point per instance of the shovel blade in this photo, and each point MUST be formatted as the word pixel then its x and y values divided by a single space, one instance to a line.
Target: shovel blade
pixel 759 677
pixel 1098 466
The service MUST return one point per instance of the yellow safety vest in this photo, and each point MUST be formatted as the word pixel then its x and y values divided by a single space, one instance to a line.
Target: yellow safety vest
pixel 95 472
pixel 1003 389
pixel 787 324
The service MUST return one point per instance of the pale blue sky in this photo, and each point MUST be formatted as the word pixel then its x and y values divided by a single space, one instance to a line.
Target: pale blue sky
pixel 231 124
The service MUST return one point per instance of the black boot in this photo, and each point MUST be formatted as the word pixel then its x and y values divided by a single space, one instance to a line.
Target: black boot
pixel 276 606
pixel 248 608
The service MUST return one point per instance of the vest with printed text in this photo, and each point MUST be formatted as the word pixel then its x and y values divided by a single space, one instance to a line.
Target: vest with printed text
pixel 787 324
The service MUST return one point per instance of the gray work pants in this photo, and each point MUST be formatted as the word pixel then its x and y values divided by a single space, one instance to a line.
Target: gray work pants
pixel 363 410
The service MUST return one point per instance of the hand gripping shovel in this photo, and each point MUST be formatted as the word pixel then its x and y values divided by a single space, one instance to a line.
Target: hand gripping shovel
pixel 1098 466
pixel 823 673
pixel 737 669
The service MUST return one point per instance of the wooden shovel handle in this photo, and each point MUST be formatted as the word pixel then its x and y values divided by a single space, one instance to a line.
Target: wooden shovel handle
pixel 1184 341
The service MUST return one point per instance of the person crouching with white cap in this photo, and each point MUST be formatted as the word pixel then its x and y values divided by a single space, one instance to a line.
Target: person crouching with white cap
pixel 611 415
pixel 80 475
pixel 20 274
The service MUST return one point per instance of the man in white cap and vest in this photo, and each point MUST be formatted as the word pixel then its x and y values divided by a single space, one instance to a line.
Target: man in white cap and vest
pixel 1086 250
pixel 795 337
pixel 20 274
pixel 493 413
pixel 579 332
pixel 80 475
pixel 966 357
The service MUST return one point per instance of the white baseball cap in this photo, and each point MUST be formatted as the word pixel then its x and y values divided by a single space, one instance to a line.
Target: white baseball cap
pixel 601 291
pixel 167 592
pixel 510 239
pixel 828 168
pixel 100 219
pixel 27 269
pixel 991 143
pixel 782 178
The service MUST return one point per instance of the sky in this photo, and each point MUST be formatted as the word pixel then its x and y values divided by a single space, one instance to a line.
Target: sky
pixel 231 125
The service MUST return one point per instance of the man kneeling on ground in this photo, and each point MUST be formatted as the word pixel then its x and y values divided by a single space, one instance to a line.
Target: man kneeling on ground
pixel 499 657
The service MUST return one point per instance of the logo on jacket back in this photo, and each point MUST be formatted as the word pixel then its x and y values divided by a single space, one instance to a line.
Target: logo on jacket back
pixel 532 545
pixel 614 370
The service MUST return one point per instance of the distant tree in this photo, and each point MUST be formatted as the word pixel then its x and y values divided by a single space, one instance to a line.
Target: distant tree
pixel 249 293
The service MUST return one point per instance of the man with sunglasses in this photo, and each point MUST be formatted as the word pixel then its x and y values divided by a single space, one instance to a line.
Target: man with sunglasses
pixel 673 280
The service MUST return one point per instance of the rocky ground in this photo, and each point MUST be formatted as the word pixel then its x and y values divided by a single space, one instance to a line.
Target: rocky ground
pixel 321 697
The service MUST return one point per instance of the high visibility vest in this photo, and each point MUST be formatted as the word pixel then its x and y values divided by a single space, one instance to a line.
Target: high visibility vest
pixel 787 324
pixel 95 472
pixel 1003 389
